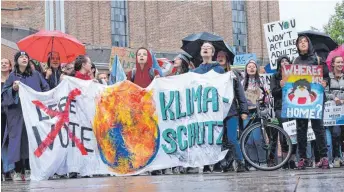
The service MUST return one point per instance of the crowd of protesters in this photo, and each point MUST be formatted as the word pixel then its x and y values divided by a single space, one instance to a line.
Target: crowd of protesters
pixel 327 148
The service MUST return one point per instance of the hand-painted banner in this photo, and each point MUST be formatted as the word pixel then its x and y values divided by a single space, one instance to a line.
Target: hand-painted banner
pixel 89 128
pixel 280 39
pixel 303 93
pixel 333 114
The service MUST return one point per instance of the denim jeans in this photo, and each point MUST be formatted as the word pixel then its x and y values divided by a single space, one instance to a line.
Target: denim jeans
pixel 232 124
pixel 333 141
pixel 255 144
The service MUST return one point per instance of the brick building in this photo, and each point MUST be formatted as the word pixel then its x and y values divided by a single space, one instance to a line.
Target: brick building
pixel 158 25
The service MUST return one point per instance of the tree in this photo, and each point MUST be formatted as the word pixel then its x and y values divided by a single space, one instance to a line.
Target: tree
pixel 335 26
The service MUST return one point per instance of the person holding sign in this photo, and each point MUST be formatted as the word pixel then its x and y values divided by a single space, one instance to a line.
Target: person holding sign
pixel 15 131
pixel 276 85
pixel 335 92
pixel 307 56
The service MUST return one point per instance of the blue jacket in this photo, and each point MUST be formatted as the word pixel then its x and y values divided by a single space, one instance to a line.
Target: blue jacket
pixel 204 68
pixel 239 104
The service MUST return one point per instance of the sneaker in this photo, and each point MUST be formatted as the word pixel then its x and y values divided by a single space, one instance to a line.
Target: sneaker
pixel 251 168
pixel 240 167
pixel 207 169
pixel 27 175
pixel 157 172
pixel 301 164
pixel 323 163
pixel 191 170
pixel 145 173
pixel 292 164
pixel 168 171
pixel 17 177
pixel 217 168
pixel 73 175
pixel 336 162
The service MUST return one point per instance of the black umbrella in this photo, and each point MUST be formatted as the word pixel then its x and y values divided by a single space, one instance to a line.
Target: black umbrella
pixel 192 45
pixel 322 43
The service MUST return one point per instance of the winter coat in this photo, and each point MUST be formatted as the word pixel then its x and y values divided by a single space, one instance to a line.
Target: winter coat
pixel 334 83
pixel 15 131
pixel 275 87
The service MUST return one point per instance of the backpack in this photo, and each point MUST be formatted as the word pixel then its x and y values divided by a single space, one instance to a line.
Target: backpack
pixel 151 74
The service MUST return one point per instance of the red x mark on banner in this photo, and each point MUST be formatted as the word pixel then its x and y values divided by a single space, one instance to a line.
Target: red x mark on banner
pixel 63 117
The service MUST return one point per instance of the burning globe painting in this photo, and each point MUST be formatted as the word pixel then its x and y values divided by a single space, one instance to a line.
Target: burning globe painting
pixel 302 93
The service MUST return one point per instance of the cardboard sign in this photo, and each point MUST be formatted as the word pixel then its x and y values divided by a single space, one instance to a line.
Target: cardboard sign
pixel 290 128
pixel 244 58
pixel 127 57
pixel 280 39
pixel 333 114
pixel 303 93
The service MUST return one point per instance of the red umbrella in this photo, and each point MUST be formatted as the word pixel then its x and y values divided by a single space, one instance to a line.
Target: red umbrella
pixel 40 44
pixel 337 52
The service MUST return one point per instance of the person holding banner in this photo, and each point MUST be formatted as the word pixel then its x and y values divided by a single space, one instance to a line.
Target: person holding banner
pixel 15 130
pixel 207 53
pixel 307 56
pixel 335 93
pixel 181 63
pixel 225 165
pixel 6 169
pixel 83 67
pixel 239 105
pixel 276 85
pixel 53 73
pixel 144 73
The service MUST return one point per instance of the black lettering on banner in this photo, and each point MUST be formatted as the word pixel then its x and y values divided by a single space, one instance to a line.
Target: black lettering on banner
pixel 83 138
pixel 73 125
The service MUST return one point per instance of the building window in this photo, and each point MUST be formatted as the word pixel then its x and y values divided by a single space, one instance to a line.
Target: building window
pixel 119 32
pixel 239 26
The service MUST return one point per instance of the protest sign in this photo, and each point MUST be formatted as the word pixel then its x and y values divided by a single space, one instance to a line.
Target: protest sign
pixel 127 57
pixel 302 94
pixel 244 58
pixel 280 39
pixel 333 114
pixel 89 128
pixel 290 128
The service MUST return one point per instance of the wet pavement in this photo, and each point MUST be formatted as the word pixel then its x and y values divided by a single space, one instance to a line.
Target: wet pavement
pixel 280 180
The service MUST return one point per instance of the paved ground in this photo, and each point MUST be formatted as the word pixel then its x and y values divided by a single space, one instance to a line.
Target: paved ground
pixel 308 180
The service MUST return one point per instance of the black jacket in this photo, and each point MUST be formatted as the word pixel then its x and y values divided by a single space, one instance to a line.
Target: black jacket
pixel 276 89
pixel 311 58
pixel 239 104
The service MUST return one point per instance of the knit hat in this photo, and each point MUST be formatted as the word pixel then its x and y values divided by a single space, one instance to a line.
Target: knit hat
pixel 18 54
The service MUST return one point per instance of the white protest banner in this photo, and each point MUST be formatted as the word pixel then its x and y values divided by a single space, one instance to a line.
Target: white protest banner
pixel 290 128
pixel 333 114
pixel 280 39
pixel 85 127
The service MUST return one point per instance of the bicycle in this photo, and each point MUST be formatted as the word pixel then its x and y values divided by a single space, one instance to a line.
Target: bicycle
pixel 270 135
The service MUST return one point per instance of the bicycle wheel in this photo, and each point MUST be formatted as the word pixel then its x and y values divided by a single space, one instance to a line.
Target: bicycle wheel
pixel 267 148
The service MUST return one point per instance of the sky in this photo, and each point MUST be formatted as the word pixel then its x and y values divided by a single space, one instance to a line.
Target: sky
pixel 307 13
